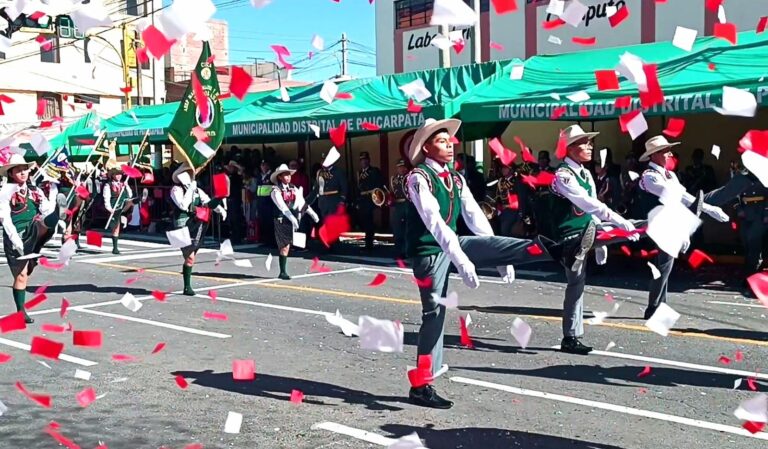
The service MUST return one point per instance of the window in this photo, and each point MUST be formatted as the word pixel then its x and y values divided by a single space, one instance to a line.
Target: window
pixel 85 99
pixel 52 104
pixel 49 50
pixel 2 55
pixel 67 30
pixel 410 13
pixel 132 7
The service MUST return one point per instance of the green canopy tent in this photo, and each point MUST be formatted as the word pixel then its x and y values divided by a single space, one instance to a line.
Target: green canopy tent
pixel 692 81
pixel 77 152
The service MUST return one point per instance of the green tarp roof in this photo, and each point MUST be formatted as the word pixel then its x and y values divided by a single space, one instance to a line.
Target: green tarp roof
pixel 83 125
pixel 688 83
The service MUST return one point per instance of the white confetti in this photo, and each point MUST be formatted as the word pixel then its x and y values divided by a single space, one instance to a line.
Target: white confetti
pixel 522 332
pixel 610 346
pixel 268 262
pixel 662 320
pixel 82 375
pixel 450 302
pixel 234 422
pixel 716 151
pixel 130 302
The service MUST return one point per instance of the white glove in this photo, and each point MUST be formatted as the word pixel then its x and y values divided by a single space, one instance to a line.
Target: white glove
pixel 716 213
pixel 18 245
pixel 469 275
pixel 507 273
pixel 627 225
pixel 312 214
pixel 601 254
pixel 221 211
pixel 295 223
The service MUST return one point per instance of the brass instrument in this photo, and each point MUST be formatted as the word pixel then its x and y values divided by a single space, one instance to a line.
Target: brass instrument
pixel 379 196
pixel 488 209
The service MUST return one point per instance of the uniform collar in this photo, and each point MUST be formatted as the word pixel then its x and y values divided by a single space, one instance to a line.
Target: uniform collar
pixel 573 164
pixel 657 167
pixel 436 166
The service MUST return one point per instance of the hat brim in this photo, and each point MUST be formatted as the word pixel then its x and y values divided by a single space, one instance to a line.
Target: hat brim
pixel 648 153
pixel 6 168
pixel 274 175
pixel 415 155
pixel 183 168
pixel 586 136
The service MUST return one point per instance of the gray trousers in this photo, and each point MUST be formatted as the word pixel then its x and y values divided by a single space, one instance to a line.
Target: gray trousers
pixel 573 305
pixel 483 252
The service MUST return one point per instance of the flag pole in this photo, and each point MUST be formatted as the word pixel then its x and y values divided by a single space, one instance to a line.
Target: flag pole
pixel 131 163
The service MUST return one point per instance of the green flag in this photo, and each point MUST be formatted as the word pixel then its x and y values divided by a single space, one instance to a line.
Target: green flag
pixel 188 116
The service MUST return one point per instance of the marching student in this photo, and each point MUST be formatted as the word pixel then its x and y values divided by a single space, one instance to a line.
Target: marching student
pixel 117 201
pixel 29 219
pixel 288 203
pixel 191 209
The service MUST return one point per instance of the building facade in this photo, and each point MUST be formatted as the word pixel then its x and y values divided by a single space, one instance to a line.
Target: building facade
pixel 404 36
pixel 52 60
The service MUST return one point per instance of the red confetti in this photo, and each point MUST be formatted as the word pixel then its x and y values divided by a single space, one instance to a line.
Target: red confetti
pixel 504 6
pixel 86 397
pixel 5 358
pixel 244 370
pixel 82 191
pixel 422 374
pixel 534 250
pixel 239 83
pixel 527 154
pixel 36 301
pixel 609 297
pixel 201 100
pixel 317 267
pixel 64 307
pixel 465 339
pixel 756 141
pixel 504 154
pixel 583 112
pixel 543 178
pixel 343 96
pixel 158 347
pixel 401 263
pixel 368 126
pixel 126 89
pixel 44 347
pixel 624 120
pixel 645 372
pixel 675 127
pixel 458 46
pixel 761 24
pixel 213 294
pixel 181 382
pixel 513 201
pixel 562 146
pixel 334 226
pixel 726 31
pixel 758 282
pixel 54 328
pixel 44 262
pixel 41 106
pixel 558 112
pixel 654 95
pixel 713 5
pixel 413 108
pixel 739 356
pixel 378 280
pixel 338 135
pixel 93 238
pixel 61 439
pixel 90 339
pixel 123 358
pixel 724 360
pixel 131 172
pixel 423 283
pixel 42 399
pixel 751 383
pixel 215 316
pixel 698 257
pixel 586 41
pixel 220 186
pixel 282 52
pixel 620 16
pixel 203 214
pixel 200 134
pixel 754 427
pixel 626 250
pixel 156 42
pixel 297 397
pixel 553 24
pixel 623 102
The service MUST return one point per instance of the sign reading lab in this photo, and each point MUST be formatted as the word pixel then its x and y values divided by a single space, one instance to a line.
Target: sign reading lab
pixel 420 53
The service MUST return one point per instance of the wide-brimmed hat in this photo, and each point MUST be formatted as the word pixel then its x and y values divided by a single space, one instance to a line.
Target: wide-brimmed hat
pixel 282 169
pixel 575 133
pixel 654 145
pixel 50 174
pixel 429 127
pixel 16 160
pixel 181 169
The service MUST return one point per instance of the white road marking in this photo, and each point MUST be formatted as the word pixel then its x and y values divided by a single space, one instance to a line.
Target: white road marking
pixel 739 304
pixel 64 357
pixel 270 306
pixel 140 256
pixel 188 330
pixel 695 366
pixel 360 434
pixel 215 287
pixel 614 408
pixel 483 279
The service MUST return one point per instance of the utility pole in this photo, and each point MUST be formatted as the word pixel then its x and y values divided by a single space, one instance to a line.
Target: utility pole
pixel 139 74
pixel 344 55
pixel 445 54
pixel 477 57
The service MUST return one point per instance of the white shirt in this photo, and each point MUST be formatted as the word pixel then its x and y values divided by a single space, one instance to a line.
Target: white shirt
pixel 107 193
pixel 298 204
pixel 45 207
pixel 566 185
pixel 656 179
pixel 183 197
pixel 429 210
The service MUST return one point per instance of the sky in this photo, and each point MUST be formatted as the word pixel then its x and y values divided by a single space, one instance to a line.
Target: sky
pixel 294 23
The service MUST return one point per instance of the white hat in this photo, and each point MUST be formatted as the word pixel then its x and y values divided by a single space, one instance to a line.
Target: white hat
pixel 654 145
pixel 280 170
pixel 15 160
pixel 429 127
pixel 574 133
pixel 182 168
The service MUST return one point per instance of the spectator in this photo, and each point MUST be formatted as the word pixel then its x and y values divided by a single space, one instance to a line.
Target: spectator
pixel 698 175
pixel 299 178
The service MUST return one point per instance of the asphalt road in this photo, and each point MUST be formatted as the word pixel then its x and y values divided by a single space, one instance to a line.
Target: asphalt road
pixel 506 397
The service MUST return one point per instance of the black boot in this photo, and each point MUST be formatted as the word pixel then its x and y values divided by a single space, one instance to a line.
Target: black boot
pixel 19 298
pixel 572 345
pixel 187 272
pixel 283 269
pixel 115 250
pixel 426 396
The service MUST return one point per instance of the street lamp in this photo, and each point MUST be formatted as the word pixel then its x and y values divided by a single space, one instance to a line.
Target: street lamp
pixel 123 64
